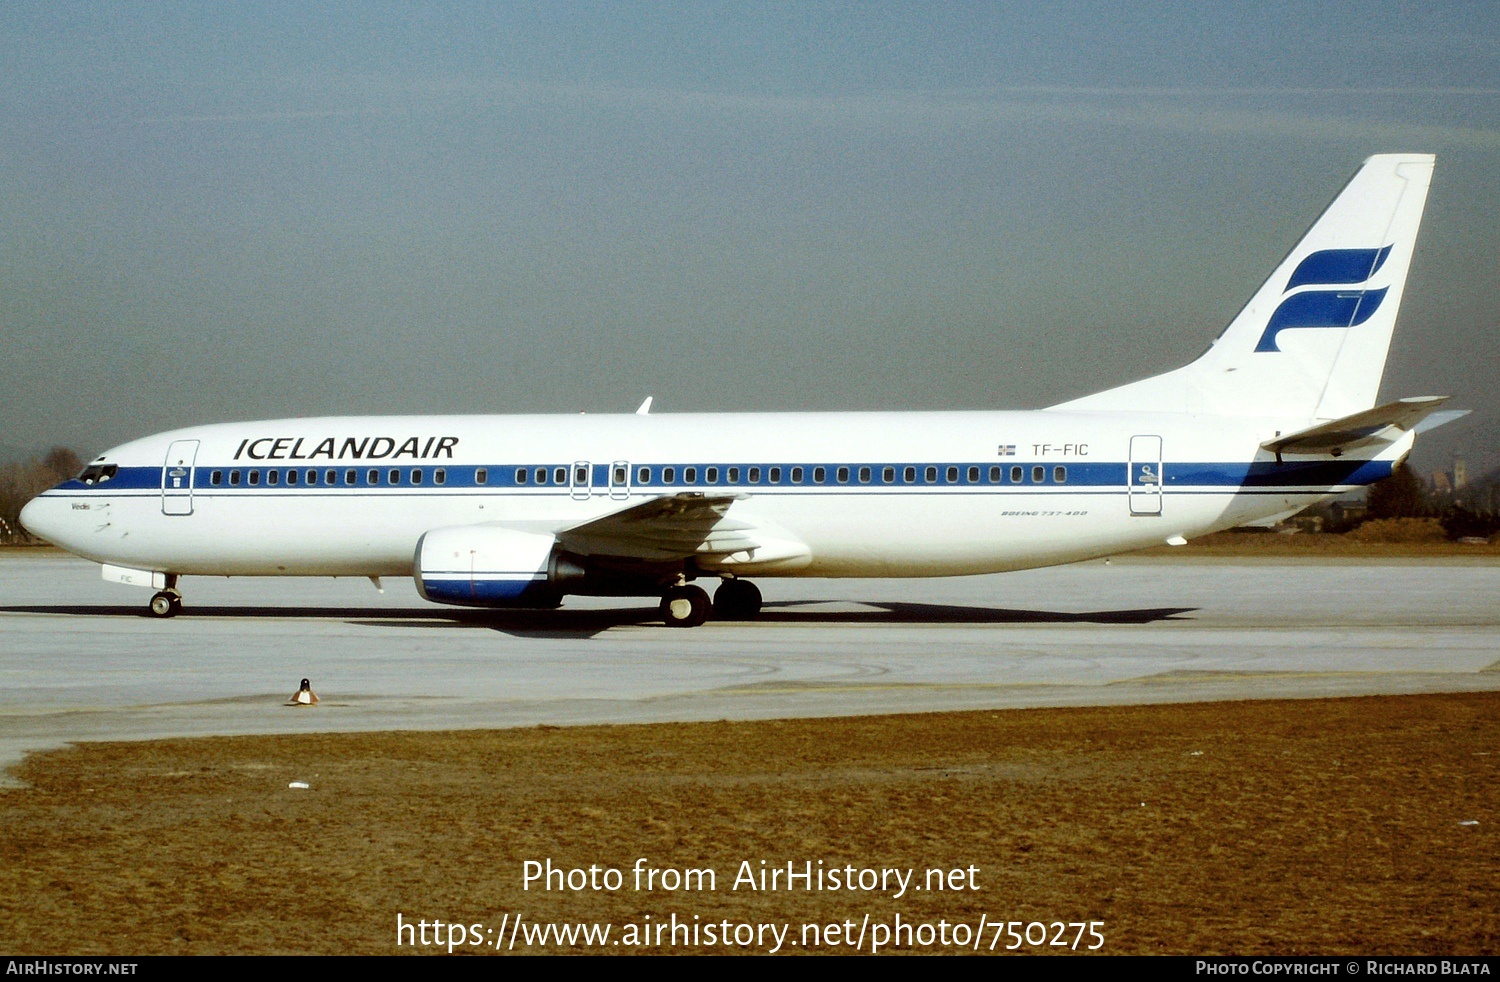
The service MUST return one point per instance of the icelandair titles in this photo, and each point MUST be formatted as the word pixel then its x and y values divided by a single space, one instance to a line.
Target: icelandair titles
pixel 367 448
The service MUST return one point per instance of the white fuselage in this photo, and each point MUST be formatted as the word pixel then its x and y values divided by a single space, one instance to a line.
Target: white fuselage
pixel 839 494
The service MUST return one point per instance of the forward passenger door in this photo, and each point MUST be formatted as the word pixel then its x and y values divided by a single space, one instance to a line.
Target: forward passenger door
pixel 177 478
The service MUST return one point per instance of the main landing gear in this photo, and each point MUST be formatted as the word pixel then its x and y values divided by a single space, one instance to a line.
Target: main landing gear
pixel 168 602
pixel 685 605
pixel 736 600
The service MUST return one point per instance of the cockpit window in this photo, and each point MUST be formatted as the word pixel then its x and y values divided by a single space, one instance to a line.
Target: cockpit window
pixel 98 473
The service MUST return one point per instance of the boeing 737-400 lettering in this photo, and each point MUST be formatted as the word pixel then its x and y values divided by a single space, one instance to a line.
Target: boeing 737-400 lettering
pixel 496 511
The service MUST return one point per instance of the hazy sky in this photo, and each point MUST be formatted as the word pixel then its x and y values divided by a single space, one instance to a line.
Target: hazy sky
pixel 224 211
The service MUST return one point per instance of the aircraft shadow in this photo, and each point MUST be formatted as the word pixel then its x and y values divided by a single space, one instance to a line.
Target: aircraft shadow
pixel 901 612
pixel 563 623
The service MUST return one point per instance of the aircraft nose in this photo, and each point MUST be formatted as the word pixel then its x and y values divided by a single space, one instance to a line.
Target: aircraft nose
pixel 45 518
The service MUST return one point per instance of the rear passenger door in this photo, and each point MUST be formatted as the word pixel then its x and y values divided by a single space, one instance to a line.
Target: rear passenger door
pixel 1145 475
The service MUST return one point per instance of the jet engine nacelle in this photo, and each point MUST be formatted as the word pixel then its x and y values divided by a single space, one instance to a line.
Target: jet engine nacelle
pixel 489 566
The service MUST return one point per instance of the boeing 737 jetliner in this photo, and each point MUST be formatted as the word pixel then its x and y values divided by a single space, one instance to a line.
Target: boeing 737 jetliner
pixel 497 511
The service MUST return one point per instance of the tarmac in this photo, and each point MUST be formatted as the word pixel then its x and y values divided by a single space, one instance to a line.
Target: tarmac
pixel 80 660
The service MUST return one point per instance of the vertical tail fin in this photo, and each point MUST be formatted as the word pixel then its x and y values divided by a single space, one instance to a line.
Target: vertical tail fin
pixel 1312 342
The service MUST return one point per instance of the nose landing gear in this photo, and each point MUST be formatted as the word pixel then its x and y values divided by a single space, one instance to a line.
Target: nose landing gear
pixel 168 602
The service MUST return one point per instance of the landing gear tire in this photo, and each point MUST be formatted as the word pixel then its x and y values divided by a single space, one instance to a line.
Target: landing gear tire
pixel 736 600
pixel 165 604
pixel 685 606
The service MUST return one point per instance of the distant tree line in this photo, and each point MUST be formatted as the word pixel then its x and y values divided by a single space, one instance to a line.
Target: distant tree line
pixel 1404 495
pixel 19 483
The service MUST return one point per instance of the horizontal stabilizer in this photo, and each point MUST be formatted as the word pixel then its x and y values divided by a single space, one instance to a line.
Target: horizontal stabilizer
pixel 1441 419
pixel 1380 426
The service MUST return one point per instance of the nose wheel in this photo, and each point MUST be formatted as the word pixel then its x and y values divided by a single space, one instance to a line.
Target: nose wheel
pixel 167 603
pixel 736 600
pixel 685 606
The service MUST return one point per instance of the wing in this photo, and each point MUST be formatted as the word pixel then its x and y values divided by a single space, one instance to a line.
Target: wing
pixel 671 527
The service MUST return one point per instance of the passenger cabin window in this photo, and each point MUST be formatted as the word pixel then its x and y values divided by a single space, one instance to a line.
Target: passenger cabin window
pixel 254 477
pixel 953 475
pixel 372 477
pixel 690 475
pixel 796 475
pixel 712 476
pixel 819 475
pixel 734 475
pixel 312 477
pixel 440 476
pixel 864 475
pixel 560 476
pixel 1038 474
pixel 234 479
pixel 643 475
pixel 888 475
pixel 416 475
pixel 330 477
pixel 1060 474
pixel 216 478
pixel 1015 475
pixel 755 475
pixel 843 475
pixel 973 475
pixel 995 474
pixel 668 475
pixel 580 476
pixel 394 476
pixel 350 476
pixel 931 475
pixel 909 475
pixel 481 476
pixel 520 475
pixel 776 475
pixel 291 477
pixel 273 477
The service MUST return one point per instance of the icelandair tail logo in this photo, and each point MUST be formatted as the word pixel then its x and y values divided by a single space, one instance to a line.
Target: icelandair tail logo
pixel 1328 308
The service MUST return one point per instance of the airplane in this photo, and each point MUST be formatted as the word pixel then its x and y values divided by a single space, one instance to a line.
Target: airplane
pixel 521 511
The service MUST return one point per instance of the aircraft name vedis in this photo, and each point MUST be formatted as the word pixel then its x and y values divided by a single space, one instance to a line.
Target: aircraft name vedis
pixel 367 448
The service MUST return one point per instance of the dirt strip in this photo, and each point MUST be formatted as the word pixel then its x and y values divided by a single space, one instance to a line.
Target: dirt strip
pixel 1307 826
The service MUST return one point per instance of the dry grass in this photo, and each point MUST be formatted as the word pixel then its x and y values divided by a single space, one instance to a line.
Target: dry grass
pixel 1400 531
pixel 1293 826
pixel 1414 544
